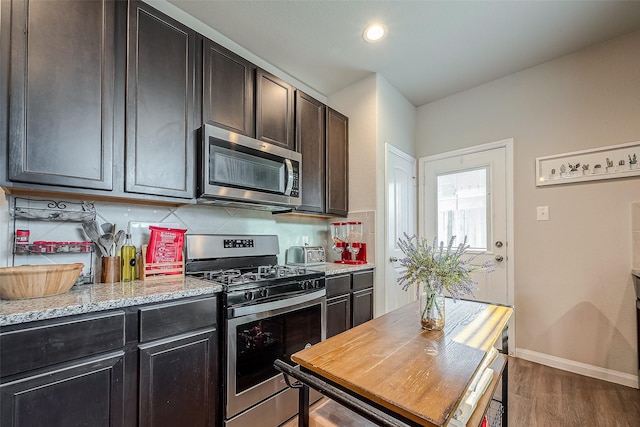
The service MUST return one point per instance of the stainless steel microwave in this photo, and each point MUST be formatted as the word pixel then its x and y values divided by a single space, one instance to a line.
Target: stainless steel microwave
pixel 236 170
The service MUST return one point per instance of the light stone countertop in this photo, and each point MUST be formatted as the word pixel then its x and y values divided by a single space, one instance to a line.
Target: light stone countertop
pixel 332 269
pixel 102 296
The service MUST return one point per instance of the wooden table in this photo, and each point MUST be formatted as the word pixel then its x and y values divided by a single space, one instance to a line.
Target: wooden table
pixel 389 369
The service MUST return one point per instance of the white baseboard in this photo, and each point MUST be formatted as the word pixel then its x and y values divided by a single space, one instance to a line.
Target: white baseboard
pixel 579 368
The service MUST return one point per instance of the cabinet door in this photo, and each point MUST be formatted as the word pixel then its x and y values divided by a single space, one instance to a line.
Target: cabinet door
pixel 160 105
pixel 337 163
pixel 310 142
pixel 338 314
pixel 228 90
pixel 362 306
pixel 178 380
pixel 362 280
pixel 61 116
pixel 338 285
pixel 274 110
pixel 87 393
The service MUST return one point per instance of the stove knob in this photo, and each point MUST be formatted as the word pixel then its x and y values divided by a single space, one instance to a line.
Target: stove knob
pixel 264 292
pixel 248 295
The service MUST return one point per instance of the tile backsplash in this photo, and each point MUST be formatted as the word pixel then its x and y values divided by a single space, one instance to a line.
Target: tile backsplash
pixel 291 229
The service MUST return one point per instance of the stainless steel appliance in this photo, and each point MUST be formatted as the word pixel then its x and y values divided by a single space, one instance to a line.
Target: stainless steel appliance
pixel 306 255
pixel 236 170
pixel 270 312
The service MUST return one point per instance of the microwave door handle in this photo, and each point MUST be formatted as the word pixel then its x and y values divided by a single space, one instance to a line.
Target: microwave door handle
pixel 289 166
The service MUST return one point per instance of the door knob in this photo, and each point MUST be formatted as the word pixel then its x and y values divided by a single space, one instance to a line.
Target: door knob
pixel 498 244
pixel 393 259
pixel 499 258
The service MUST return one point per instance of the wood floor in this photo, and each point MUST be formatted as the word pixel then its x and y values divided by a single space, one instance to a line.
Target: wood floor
pixel 538 396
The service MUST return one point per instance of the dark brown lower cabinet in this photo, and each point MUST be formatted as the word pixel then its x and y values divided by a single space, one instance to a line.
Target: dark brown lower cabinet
pixel 89 392
pixel 338 314
pixel 177 381
pixel 362 297
pixel 349 301
pixel 151 365
pixel 362 306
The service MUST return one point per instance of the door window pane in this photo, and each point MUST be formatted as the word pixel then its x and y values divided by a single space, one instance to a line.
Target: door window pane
pixel 463 207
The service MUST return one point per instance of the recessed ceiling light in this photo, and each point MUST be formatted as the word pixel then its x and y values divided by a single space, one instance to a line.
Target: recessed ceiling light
pixel 374 33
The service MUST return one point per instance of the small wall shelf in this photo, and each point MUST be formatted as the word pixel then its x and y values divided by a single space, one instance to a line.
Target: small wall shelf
pixel 579 166
pixel 23 211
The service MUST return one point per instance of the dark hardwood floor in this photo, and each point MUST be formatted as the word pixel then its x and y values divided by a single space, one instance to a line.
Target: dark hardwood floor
pixel 539 396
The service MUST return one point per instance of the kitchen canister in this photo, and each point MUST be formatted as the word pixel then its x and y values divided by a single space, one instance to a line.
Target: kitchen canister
pixel 110 272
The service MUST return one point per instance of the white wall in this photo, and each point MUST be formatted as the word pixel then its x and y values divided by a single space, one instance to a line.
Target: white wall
pixel 397 119
pixel 377 113
pixel 575 306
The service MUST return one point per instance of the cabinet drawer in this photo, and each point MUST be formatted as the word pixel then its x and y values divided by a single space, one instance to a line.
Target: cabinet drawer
pixel 337 285
pixel 44 345
pixel 363 280
pixel 164 320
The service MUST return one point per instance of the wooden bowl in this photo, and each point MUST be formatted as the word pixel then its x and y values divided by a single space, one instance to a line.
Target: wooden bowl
pixel 33 281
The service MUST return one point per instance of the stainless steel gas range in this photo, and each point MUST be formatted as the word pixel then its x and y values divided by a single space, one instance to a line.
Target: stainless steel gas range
pixel 270 312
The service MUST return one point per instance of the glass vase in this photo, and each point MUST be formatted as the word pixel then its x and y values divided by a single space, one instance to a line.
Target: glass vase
pixel 431 309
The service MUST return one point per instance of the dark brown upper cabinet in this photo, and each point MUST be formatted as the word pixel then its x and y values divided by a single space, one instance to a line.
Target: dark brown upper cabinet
pixel 274 110
pixel 228 90
pixel 337 163
pixel 61 85
pixel 161 108
pixel 310 142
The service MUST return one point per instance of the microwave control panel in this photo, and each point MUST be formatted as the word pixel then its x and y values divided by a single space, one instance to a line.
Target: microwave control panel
pixel 295 189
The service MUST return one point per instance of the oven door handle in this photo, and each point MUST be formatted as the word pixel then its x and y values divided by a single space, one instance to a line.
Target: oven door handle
pixel 275 305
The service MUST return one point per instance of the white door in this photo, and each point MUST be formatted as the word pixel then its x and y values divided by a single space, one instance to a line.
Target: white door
pixel 401 195
pixel 468 193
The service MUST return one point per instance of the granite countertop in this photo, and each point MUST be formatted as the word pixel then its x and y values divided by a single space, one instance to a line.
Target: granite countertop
pixel 332 269
pixel 102 296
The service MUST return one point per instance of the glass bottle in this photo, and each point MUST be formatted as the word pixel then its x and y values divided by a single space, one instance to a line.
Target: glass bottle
pixel 128 254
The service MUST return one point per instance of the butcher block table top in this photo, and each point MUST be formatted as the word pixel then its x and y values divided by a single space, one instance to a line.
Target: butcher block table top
pixel 390 361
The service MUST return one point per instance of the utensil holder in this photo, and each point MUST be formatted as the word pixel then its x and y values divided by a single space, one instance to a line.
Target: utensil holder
pixel 110 272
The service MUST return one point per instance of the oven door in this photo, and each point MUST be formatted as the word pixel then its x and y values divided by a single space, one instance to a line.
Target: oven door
pixel 262 334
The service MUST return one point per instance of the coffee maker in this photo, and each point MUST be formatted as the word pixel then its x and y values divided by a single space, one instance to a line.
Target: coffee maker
pixel 347 242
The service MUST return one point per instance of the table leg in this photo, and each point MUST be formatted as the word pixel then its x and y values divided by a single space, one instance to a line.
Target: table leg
pixel 505 378
pixel 303 406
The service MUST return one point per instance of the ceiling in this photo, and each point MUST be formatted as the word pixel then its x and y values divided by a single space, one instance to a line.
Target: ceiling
pixel 433 48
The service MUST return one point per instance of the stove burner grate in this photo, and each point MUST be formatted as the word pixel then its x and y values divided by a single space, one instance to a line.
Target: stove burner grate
pixel 263 272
